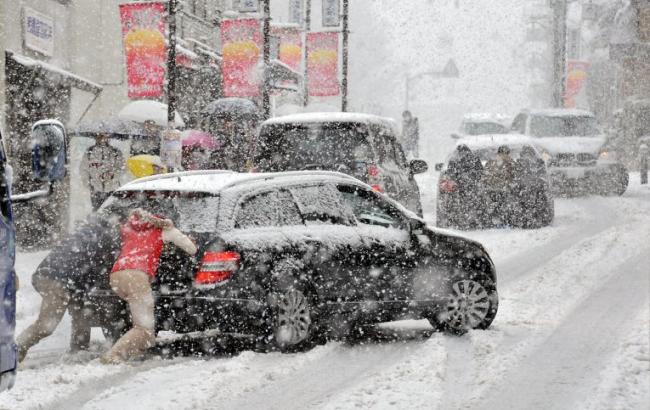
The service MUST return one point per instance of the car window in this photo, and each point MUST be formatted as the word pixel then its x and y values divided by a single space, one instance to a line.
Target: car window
pixel 369 209
pixel 519 124
pixel 322 204
pixel 399 155
pixel 384 144
pixel 271 208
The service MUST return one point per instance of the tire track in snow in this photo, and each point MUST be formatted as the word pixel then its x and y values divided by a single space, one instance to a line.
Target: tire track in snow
pixel 565 367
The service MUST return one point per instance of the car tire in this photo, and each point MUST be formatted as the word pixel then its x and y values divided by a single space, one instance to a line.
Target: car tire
pixel 472 302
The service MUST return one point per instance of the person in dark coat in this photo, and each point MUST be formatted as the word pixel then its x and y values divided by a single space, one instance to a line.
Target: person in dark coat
pixel 65 275
pixel 466 170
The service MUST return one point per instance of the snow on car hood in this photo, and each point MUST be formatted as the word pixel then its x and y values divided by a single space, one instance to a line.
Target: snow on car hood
pixel 556 145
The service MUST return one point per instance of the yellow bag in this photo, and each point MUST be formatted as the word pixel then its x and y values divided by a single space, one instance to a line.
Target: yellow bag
pixel 145 165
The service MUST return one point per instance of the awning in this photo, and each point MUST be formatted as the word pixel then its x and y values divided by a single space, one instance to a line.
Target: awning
pixel 56 73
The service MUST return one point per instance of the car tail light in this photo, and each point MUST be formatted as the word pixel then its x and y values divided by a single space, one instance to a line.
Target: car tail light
pixel 447 185
pixel 217 267
pixel 374 179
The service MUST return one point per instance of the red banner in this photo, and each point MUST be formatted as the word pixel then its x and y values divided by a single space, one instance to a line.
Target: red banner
pixel 143 35
pixel 322 64
pixel 290 45
pixel 241 50
pixel 577 73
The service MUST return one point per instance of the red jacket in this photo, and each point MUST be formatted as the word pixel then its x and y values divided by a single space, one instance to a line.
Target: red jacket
pixel 142 245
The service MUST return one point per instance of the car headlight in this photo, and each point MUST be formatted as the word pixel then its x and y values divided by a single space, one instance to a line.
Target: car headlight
pixel 607 155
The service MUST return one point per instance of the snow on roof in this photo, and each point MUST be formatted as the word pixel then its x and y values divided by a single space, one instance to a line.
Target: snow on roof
pixel 484 116
pixel 561 112
pixel 330 117
pixel 78 80
pixel 487 141
pixel 214 181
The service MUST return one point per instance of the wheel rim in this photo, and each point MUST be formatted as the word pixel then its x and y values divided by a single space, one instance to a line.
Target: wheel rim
pixel 468 305
pixel 294 318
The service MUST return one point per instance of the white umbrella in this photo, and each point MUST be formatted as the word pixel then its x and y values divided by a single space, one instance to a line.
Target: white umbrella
pixel 148 110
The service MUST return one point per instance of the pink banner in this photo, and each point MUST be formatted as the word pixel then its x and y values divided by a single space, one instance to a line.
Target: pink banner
pixel 577 73
pixel 241 50
pixel 322 64
pixel 143 35
pixel 290 45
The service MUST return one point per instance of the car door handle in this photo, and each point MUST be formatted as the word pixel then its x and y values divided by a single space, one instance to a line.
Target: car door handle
pixel 311 239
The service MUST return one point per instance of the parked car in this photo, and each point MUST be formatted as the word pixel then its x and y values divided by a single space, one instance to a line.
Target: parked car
pixel 291 258
pixel 481 124
pixel 471 202
pixel 575 151
pixel 364 146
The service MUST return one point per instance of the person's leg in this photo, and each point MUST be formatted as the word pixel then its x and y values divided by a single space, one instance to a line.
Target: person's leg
pixel 80 335
pixel 54 304
pixel 134 287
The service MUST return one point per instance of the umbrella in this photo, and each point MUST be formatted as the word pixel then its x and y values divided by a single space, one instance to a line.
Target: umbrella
pixel 115 127
pixel 235 108
pixel 148 110
pixel 196 138
pixel 145 165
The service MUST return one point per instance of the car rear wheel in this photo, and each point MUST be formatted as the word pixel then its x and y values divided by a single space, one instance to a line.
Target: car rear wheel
pixel 471 303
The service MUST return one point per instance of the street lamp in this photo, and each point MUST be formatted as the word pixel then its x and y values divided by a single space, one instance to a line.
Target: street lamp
pixel 450 71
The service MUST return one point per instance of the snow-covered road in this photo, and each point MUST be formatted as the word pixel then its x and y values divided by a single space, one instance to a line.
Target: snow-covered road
pixel 572 332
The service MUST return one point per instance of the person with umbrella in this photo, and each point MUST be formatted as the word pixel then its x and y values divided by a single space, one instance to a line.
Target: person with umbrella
pixel 101 167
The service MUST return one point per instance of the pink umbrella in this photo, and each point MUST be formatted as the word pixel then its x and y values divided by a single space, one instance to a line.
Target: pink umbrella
pixel 201 139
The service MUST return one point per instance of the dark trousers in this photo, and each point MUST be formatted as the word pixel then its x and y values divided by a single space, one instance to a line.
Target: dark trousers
pixel 98 198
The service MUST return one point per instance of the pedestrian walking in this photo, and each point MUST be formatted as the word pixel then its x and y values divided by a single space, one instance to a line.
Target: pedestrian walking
pixel 410 134
pixel 101 167
pixel 63 278
pixel 466 169
pixel 498 181
pixel 143 236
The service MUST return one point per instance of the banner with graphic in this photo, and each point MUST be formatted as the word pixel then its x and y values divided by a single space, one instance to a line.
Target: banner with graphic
pixel 322 64
pixel 577 73
pixel 143 35
pixel 290 52
pixel 241 51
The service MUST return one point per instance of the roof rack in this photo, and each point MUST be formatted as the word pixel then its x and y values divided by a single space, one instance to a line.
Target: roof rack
pixel 275 175
pixel 183 174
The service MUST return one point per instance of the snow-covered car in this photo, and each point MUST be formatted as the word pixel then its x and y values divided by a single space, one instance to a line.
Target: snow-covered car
pixel 468 201
pixel 482 124
pixel 290 258
pixel 575 151
pixel 362 145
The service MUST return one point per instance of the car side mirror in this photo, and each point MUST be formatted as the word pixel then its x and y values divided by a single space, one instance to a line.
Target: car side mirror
pixel 418 166
pixel 49 143
pixel 439 166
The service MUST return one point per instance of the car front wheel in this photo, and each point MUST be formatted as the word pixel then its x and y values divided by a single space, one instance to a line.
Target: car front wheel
pixel 471 303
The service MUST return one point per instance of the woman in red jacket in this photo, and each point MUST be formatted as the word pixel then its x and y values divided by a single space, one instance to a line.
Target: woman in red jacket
pixel 143 238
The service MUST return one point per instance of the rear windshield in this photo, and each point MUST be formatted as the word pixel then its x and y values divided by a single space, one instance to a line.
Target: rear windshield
pixel 287 147
pixel 190 211
pixel 568 126
pixel 480 128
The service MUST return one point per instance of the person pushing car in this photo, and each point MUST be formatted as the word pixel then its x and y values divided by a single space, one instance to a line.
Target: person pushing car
pixel 63 278
pixel 143 237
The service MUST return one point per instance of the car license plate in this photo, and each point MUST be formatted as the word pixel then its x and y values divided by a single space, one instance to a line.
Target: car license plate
pixel 575 173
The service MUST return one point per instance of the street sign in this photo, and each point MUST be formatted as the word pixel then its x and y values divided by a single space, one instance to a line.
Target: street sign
pixel 296 11
pixel 331 13
pixel 249 6
pixel 450 70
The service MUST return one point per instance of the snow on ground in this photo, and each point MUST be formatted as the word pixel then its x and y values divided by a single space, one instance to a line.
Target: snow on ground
pixel 572 332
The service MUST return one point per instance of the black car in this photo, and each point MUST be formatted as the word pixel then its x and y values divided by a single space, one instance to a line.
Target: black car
pixel 291 258
pixel 364 146
pixel 527 202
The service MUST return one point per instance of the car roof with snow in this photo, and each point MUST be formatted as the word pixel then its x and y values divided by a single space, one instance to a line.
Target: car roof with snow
pixel 560 112
pixel 485 117
pixel 490 141
pixel 324 117
pixel 215 181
